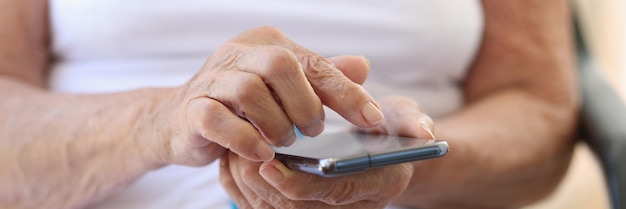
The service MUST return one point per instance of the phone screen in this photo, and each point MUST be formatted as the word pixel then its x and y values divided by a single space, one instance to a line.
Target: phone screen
pixel 347 144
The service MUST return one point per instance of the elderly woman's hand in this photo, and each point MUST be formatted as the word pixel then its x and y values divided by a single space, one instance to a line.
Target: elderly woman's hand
pixel 250 94
pixel 272 185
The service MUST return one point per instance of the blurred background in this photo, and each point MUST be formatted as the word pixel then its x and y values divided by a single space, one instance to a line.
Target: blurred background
pixel 603 28
pixel 603 23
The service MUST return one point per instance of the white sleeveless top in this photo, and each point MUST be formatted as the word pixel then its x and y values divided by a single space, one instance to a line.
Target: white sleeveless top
pixel 418 48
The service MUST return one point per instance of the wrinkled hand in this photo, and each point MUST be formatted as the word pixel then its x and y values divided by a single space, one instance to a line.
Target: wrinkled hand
pixel 252 91
pixel 272 185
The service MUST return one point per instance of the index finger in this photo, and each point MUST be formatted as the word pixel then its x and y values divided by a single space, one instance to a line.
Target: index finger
pixel 334 89
pixel 337 91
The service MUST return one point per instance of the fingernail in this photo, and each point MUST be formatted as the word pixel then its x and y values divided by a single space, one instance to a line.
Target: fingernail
pixel 272 175
pixel 314 130
pixel 428 130
pixel 372 114
pixel 264 152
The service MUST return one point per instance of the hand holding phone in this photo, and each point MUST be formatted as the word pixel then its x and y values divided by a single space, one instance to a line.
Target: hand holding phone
pixel 349 152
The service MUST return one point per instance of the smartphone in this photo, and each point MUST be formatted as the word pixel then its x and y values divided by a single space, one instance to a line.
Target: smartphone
pixel 350 152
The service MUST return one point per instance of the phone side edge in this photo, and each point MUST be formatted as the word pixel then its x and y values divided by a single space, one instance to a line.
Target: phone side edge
pixel 437 149
pixel 305 164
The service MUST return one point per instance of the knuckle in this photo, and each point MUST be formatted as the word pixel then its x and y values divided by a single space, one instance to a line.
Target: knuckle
pixel 249 87
pixel 337 89
pixel 330 82
pixel 202 111
pixel 262 35
pixel 316 66
pixel 207 116
pixel 210 107
pixel 270 31
pixel 323 76
pixel 281 62
pixel 201 115
pixel 224 57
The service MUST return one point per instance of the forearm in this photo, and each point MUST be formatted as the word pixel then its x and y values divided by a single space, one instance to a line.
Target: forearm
pixel 495 159
pixel 63 150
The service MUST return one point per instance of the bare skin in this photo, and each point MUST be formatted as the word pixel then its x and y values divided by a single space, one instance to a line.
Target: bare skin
pixel 510 145
pixel 67 151
pixel 515 137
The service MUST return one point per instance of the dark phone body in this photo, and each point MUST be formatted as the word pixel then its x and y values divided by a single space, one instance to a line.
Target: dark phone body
pixel 350 152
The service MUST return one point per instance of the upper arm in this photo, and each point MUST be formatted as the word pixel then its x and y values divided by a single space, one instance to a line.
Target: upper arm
pixel 526 46
pixel 24 40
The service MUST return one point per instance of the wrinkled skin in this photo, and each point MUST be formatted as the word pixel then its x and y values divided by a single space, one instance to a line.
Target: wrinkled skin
pixel 272 185
pixel 262 185
pixel 273 67
pixel 262 84
pixel 511 142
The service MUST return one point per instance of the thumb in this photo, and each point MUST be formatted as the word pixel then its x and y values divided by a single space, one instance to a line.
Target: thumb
pixel 356 68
